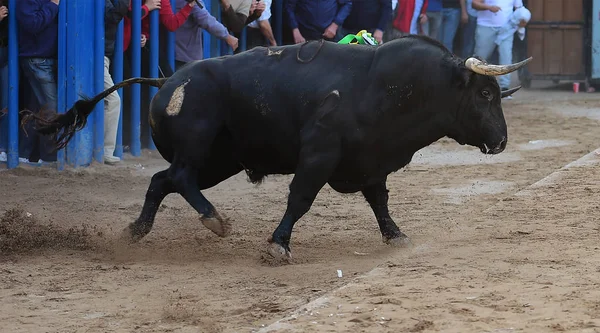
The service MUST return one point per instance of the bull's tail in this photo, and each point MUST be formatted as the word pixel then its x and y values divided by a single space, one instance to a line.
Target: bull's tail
pixel 76 117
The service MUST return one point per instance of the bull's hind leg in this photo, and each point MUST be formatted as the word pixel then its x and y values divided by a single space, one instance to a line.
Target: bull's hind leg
pixel 187 184
pixel 377 197
pixel 160 186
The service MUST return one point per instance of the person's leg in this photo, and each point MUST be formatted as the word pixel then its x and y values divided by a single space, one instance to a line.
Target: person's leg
pixel 112 111
pixel 450 22
pixel 468 37
pixel 40 74
pixel 432 27
pixel 484 42
pixel 505 52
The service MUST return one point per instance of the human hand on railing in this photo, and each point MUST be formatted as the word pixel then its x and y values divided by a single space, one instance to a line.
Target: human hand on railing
pixel 331 30
pixel 298 38
pixel 152 4
pixel 232 41
pixel 3 12
pixel 143 40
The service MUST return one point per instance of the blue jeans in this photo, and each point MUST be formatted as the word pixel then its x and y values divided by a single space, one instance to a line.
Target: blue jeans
pixel 468 37
pixel 485 44
pixel 450 22
pixel 3 97
pixel 40 74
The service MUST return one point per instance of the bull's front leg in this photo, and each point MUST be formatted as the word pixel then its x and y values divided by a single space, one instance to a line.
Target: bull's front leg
pixel 377 197
pixel 316 166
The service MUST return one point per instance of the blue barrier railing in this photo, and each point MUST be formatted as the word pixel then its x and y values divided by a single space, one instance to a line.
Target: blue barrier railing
pixel 117 75
pixel 99 80
pixel 81 73
pixel 13 90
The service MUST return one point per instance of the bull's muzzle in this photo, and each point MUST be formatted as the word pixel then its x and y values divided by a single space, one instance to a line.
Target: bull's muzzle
pixel 481 67
pixel 495 150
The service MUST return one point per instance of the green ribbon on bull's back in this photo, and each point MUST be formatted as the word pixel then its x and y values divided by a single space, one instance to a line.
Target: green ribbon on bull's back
pixel 362 37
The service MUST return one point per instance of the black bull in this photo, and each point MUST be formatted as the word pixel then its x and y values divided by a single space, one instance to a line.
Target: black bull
pixel 343 115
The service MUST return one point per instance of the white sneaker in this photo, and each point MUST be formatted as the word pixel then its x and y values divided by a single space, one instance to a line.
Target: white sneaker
pixel 26 160
pixel 111 159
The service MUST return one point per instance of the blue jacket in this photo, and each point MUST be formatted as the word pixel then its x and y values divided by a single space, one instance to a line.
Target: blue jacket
pixel 368 15
pixel 312 17
pixel 38 28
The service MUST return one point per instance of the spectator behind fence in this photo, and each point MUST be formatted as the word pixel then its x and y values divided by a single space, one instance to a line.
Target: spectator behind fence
pixel 491 17
pixel 431 27
pixel 453 13
pixel 259 32
pixel 188 38
pixel 114 11
pixel 408 17
pixel 236 14
pixel 468 32
pixel 38 46
pixel 372 16
pixel 313 20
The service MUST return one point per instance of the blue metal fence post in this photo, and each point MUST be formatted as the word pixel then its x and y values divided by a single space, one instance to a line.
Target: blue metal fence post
pixel 62 74
pixel 206 37
pixel 171 42
pixel 117 75
pixel 98 66
pixel 278 13
pixel 153 63
pixel 215 46
pixel 136 69
pixel 242 41
pixel 13 81
pixel 80 74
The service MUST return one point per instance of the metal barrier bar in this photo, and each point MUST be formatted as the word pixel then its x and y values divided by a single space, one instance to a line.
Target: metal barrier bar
pixel 153 63
pixel 13 84
pixel 61 84
pixel 215 46
pixel 242 41
pixel 4 118
pixel 136 69
pixel 278 13
pixel 171 42
pixel 206 37
pixel 99 79
pixel 80 75
pixel 117 74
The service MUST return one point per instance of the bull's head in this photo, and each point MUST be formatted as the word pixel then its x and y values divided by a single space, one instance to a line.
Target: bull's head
pixel 481 119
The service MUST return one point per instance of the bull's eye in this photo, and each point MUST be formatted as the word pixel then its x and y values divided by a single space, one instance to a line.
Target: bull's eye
pixel 485 94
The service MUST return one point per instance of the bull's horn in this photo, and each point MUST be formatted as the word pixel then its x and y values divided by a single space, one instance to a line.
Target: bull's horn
pixel 481 67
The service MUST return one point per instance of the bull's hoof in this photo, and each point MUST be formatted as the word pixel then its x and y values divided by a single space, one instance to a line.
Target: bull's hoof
pixel 217 224
pixel 400 241
pixel 279 252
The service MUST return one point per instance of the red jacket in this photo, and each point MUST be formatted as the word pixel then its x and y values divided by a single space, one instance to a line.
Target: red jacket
pixel 405 11
pixel 171 21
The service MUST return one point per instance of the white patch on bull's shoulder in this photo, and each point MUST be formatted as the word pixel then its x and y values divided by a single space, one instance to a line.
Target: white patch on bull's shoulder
pixel 176 101
pixel 271 52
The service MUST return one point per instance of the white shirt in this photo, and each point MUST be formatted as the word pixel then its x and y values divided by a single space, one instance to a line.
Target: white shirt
pixel 264 16
pixel 488 19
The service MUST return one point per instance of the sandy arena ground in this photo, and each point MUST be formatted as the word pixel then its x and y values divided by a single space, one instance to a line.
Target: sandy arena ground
pixel 490 254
